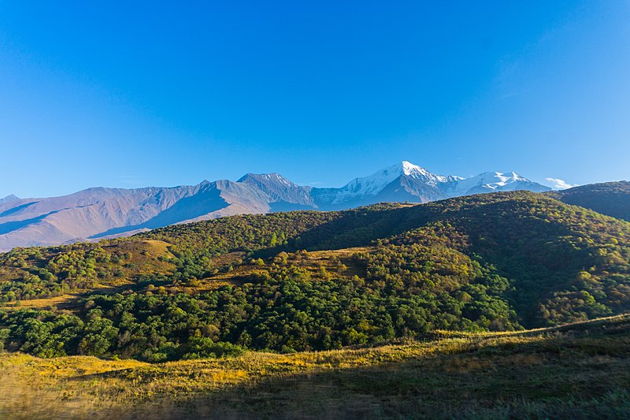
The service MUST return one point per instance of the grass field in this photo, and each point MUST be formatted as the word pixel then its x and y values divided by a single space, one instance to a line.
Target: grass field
pixel 580 370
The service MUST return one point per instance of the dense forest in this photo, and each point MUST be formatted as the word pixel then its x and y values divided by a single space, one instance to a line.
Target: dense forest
pixel 311 280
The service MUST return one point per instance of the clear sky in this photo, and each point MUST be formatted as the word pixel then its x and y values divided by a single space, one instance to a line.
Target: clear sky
pixel 130 94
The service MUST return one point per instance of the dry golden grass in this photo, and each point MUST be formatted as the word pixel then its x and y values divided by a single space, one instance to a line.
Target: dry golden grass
pixel 144 256
pixel 497 372
pixel 315 263
pixel 158 248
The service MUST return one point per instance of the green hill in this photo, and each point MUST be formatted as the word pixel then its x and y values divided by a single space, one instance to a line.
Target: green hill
pixel 303 281
pixel 610 198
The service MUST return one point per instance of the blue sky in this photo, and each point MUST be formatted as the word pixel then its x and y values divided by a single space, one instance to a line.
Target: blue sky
pixel 169 93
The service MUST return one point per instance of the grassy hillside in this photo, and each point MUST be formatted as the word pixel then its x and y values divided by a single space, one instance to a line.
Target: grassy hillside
pixel 610 198
pixel 305 281
pixel 574 371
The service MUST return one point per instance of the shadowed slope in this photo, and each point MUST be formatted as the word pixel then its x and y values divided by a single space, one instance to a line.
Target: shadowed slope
pixel 610 198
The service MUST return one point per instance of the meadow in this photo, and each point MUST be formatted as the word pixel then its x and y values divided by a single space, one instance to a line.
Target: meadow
pixel 580 370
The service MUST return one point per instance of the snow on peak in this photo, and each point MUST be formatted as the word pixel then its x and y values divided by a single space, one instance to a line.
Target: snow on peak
pixel 417 172
pixel 558 184
pixel 490 181
pixel 499 178
pixel 375 183
pixel 410 169
pixel 415 175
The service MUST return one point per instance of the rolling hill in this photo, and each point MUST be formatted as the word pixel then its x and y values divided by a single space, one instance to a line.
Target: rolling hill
pixel 311 280
pixel 611 198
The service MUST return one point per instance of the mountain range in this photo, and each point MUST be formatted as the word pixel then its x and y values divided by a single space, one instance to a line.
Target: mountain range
pixel 97 213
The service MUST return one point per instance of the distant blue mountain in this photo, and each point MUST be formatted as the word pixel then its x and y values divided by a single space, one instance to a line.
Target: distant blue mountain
pixel 105 212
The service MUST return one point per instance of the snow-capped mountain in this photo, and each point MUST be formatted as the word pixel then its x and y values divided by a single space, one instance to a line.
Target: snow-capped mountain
pixel 105 212
pixel 401 182
pixel 376 182
pixel 492 182
pixel 408 182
